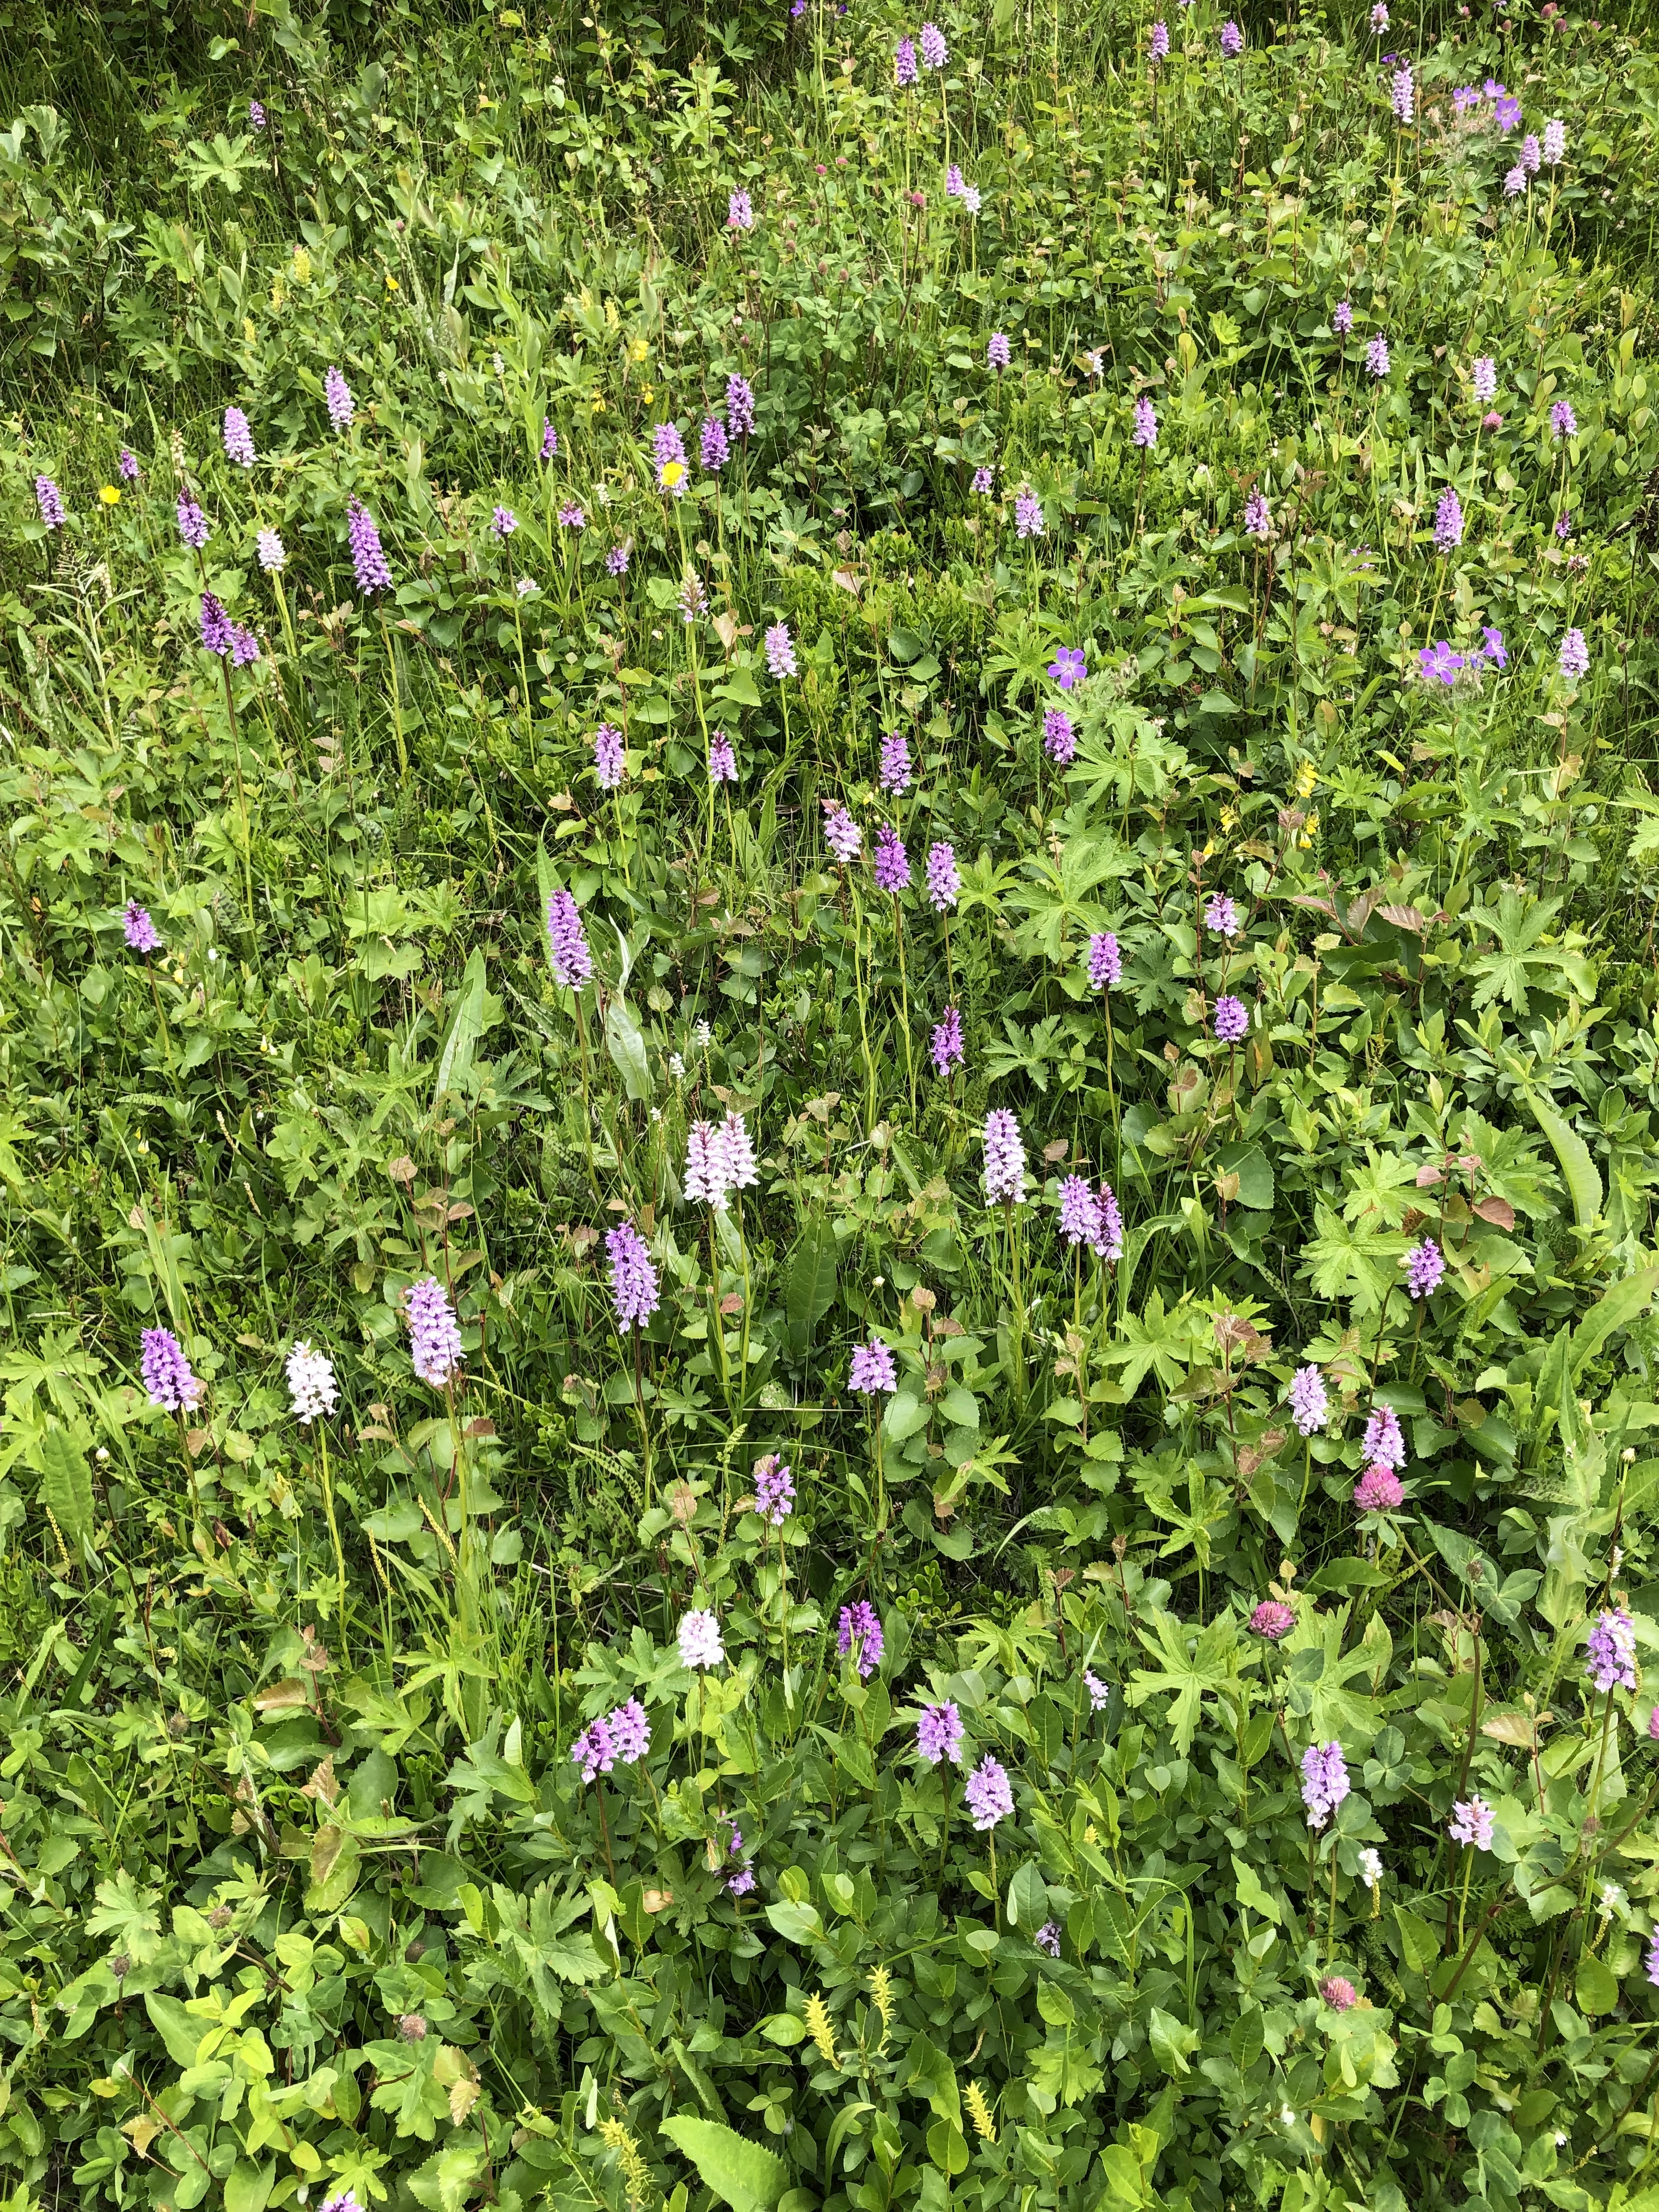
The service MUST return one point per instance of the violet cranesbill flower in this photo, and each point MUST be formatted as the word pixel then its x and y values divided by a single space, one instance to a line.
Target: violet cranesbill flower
pixel 1144 433
pixel 1271 1620
pixel 633 1278
pixel 1324 1781
pixel 610 756
pixel 739 406
pixel 1310 1408
pixel 1473 1822
pixel 1067 667
pixel 990 1798
pixel 775 1490
pixel 714 446
pixel 1107 1242
pixel 779 652
pixel 860 1638
pixel 1232 1018
pixel 1610 1653
pixel 1564 423
pixel 946 1050
pixel 938 1734
pixel 740 212
pixel 49 500
pixel 1258 519
pixel 1376 356
pixel 872 1373
pixel 1385 1441
pixel 997 351
pixel 1438 663
pixel 944 878
pixel 1232 41
pixel 368 561
pixel 1493 649
pixel 168 1381
pixel 1059 739
pixel 594 1750
pixel 237 438
pixel 892 864
pixel 1447 522
pixel 1105 961
pixel 573 964
pixel 1379 1489
pixel 1005 1159
pixel 1027 514
pixel 1221 915
pixel 904 62
pixel 1575 654
pixel 216 626
pixel 1425 1268
pixel 140 931
pixel 1483 379
pixel 192 523
pixel 934 51
pixel 1506 110
pixel 337 395
pixel 722 761
pixel 894 775
pixel 630 1732
pixel 841 834
pixel 434 1334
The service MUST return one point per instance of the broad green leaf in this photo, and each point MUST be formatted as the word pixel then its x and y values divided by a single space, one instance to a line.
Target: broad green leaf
pixel 465 1028
pixel 742 2174
pixel 1596 1986
pixel 65 1486
pixel 626 1046
pixel 1028 1897
pixel 181 2034
pixel 1583 1183
pixel 809 1284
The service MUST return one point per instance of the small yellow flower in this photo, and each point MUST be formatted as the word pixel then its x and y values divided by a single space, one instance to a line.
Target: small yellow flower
pixel 1209 850
pixel 637 2174
pixel 597 404
pixel 979 2111
pixel 1306 777
pixel 391 284
pixel 109 495
pixel 637 349
pixel 648 392
pixel 1305 841
pixel 674 475
pixel 821 2030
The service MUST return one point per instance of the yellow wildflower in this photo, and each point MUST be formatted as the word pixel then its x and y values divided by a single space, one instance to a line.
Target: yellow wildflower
pixel 391 284
pixel 674 475
pixel 637 349
pixel 648 392
pixel 109 495
pixel 1305 841
pixel 278 295
pixel 820 2028
pixel 979 2111
pixel 637 2174
pixel 301 265
pixel 1306 777
pixel 881 1994
pixel 597 404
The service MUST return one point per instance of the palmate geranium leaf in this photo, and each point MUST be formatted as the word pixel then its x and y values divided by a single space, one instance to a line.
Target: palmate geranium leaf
pixel 1194 1664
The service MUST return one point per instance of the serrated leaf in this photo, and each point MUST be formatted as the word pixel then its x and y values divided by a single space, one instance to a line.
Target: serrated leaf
pixel 809 1284
pixel 1578 1168
pixel 465 1028
pixel 65 1486
pixel 744 2175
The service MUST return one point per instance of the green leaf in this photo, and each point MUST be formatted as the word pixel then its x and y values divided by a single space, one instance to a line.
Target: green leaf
pixel 1597 1985
pixel 626 1046
pixel 1583 1183
pixel 465 1028
pixel 796 1923
pixel 1028 1897
pixel 1419 1945
pixel 65 1489
pixel 445 2182
pixel 742 2174
pixel 181 2034
pixel 809 1284
pixel 1171 2041
pixel 248 2187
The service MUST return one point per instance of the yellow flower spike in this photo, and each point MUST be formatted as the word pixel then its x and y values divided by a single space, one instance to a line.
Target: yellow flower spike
pixel 881 1996
pixel 979 2112
pixel 637 2174
pixel 279 295
pixel 820 2027
pixel 1306 777
pixel 301 265
pixel 109 495
pixel 597 404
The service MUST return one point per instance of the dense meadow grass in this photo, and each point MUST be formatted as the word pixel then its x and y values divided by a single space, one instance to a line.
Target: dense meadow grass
pixel 828 886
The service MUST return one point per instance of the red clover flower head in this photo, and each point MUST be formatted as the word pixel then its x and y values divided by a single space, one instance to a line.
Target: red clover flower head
pixel 947 1051
pixel 944 878
pixel 1610 1654
pixel 573 964
pixel 1271 1622
pixel 739 405
pixel 938 1734
pixel 1324 1781
pixel 779 652
pixel 1005 1159
pixel 1339 1993
pixel 336 394
pixel 872 1373
pixel 1425 1268
pixel 1027 514
pixel 1145 425
pixel 1310 1406
pixel 722 761
pixel 934 52
pixel 140 931
pixel 1232 1018
pixel 860 1638
pixel 740 212
pixel 168 1381
pixel 892 864
pixel 775 1490
pixel 990 1799
pixel 1384 1443
pixel 714 446
pixel 633 1278
pixel 1473 1822
pixel 894 775
pixel 49 500
pixel 610 756
pixel 1105 961
pixel 1058 741
pixel 1379 1489
pixel 1575 654
pixel 368 561
pixel 192 523
pixel 998 354
pixel 239 438
pixel 434 1334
